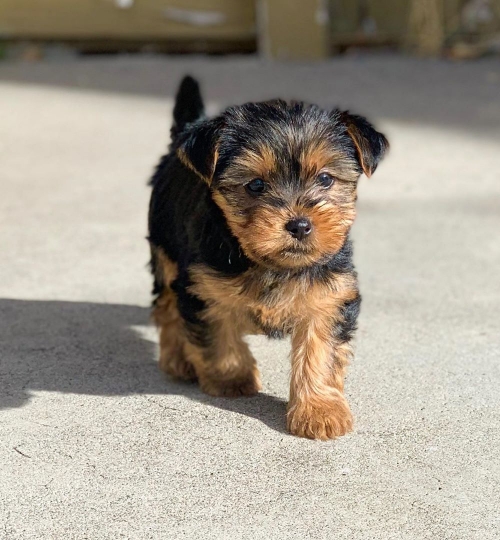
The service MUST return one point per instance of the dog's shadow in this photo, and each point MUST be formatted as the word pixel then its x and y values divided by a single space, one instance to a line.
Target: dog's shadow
pixel 96 349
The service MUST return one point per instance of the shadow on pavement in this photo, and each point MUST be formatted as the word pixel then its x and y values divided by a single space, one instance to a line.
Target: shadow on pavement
pixel 94 349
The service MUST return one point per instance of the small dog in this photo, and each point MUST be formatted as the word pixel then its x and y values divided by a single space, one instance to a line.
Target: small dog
pixel 249 225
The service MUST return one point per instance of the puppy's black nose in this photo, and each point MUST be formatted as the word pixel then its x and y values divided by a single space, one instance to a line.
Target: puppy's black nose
pixel 299 228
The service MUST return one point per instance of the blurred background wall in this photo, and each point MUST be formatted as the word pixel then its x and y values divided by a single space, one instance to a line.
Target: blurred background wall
pixel 283 29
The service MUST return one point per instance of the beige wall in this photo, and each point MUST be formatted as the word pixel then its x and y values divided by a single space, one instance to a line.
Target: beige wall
pixel 137 19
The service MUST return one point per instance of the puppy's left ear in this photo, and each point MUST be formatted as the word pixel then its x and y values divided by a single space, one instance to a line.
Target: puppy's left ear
pixel 371 145
pixel 197 148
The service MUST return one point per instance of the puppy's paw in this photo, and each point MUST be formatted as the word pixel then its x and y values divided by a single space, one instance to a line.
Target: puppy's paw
pixel 177 366
pixel 320 419
pixel 248 385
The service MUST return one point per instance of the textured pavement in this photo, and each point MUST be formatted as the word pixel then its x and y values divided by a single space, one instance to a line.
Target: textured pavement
pixel 95 443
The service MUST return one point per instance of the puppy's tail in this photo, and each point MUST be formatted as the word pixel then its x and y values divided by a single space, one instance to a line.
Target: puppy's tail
pixel 188 105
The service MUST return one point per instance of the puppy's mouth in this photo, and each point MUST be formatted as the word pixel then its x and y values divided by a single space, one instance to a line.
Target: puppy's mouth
pixel 295 251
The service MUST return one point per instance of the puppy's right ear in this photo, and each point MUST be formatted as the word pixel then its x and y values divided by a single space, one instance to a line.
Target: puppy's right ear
pixel 197 148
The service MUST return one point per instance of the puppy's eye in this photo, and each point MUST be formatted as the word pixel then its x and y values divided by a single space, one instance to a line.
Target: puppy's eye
pixel 256 186
pixel 325 179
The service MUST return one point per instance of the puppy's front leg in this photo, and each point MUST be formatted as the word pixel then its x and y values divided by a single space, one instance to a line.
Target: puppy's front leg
pixel 317 407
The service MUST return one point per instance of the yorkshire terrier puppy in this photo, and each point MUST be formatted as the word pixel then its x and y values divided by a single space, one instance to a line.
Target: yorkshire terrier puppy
pixel 249 225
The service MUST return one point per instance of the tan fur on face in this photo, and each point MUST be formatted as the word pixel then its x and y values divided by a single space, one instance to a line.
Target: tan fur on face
pixel 261 163
pixel 265 240
pixel 316 156
pixel 259 224
pixel 234 217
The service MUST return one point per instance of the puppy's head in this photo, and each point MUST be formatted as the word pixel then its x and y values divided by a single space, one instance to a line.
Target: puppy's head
pixel 284 176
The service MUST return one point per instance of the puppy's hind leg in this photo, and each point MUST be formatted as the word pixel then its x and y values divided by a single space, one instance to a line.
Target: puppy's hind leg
pixel 170 325
pixel 172 360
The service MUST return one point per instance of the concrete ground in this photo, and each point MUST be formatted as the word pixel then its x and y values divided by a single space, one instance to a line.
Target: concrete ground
pixel 96 444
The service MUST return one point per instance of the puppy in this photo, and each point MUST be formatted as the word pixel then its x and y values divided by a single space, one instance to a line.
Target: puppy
pixel 249 225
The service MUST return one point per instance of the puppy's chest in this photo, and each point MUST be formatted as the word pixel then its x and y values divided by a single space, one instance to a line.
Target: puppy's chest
pixel 275 306
pixel 262 302
pixel 283 303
